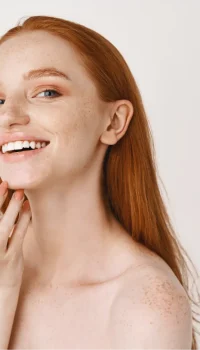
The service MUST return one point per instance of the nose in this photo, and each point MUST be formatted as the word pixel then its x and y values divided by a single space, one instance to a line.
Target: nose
pixel 13 113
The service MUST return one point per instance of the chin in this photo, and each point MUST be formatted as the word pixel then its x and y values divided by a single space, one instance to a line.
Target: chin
pixel 24 182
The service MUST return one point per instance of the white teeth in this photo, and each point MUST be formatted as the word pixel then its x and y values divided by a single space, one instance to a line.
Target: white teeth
pixel 17 145
pixel 32 144
pixel 10 146
pixel 38 145
pixel 25 144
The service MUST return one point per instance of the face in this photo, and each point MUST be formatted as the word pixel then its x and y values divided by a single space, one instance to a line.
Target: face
pixel 71 117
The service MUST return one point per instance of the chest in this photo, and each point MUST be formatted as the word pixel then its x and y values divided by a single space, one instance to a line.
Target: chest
pixel 62 319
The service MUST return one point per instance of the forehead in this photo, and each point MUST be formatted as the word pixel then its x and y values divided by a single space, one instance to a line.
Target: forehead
pixel 40 42
pixel 38 49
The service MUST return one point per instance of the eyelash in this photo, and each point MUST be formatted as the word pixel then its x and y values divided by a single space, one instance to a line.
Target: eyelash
pixel 47 96
pixel 51 91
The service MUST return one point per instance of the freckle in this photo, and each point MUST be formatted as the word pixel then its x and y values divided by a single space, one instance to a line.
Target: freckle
pixel 168 300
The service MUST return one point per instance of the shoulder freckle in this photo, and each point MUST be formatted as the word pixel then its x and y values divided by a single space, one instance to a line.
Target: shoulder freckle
pixel 151 309
pixel 160 293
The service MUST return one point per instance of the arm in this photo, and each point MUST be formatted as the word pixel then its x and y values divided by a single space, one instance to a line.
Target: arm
pixel 8 305
pixel 152 314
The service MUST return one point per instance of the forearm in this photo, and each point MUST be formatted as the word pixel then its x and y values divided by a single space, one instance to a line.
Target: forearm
pixel 8 305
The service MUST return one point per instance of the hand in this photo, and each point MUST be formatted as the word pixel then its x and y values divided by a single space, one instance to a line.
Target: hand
pixel 11 253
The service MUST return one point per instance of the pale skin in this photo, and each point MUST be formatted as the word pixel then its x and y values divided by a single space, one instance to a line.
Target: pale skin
pixel 73 244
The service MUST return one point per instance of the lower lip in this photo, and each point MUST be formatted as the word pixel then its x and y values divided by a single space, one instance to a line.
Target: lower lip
pixel 21 156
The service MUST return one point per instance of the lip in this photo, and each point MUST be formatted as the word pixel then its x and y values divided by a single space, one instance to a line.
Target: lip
pixel 21 156
pixel 19 136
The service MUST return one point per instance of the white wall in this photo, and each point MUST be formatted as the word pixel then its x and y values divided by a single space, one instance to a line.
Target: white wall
pixel 161 43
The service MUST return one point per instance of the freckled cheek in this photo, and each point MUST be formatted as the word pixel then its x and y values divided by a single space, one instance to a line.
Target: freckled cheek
pixel 52 119
pixel 76 142
pixel 73 136
pixel 66 132
pixel 72 126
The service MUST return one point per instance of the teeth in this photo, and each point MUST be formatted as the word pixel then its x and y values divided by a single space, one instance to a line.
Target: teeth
pixel 17 145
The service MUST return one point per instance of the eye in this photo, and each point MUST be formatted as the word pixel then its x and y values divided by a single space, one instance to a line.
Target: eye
pixel 49 90
pixel 46 90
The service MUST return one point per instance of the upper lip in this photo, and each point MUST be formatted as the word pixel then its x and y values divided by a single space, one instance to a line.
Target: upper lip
pixel 20 136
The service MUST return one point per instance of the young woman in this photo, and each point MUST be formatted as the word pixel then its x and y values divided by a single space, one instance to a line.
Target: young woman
pixel 99 265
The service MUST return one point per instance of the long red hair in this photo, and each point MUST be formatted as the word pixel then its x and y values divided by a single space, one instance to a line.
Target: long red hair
pixel 130 177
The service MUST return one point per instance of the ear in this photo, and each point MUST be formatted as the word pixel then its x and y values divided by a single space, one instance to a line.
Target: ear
pixel 119 119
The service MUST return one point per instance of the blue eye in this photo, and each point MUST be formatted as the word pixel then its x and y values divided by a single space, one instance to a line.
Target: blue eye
pixel 47 90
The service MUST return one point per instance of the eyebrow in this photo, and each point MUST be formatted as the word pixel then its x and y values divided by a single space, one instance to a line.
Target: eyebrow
pixel 48 71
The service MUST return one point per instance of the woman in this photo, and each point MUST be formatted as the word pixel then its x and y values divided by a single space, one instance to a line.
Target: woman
pixel 101 267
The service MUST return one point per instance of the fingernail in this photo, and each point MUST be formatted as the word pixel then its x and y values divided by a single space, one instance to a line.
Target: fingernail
pixel 26 206
pixel 19 195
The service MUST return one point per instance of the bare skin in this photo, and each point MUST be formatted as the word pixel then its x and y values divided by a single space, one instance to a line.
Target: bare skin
pixel 70 224
pixel 78 258
pixel 56 316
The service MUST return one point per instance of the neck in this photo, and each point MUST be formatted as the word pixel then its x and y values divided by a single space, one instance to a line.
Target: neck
pixel 70 234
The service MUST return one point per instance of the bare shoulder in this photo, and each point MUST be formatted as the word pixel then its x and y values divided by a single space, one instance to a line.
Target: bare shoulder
pixel 151 310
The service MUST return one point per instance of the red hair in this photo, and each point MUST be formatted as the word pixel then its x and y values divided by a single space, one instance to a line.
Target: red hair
pixel 130 177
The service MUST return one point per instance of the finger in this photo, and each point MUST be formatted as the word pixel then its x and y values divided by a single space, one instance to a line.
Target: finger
pixel 3 192
pixel 20 229
pixel 8 220
pixel 9 238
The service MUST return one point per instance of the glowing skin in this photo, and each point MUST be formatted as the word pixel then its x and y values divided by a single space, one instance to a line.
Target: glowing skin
pixel 73 240
pixel 71 236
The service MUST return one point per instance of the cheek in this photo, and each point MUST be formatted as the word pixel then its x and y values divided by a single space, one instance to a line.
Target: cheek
pixel 74 124
pixel 77 136
pixel 78 123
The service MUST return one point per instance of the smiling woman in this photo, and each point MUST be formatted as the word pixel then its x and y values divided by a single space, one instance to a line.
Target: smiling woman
pixel 101 254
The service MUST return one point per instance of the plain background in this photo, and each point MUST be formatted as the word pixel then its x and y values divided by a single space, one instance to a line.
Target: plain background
pixel 161 43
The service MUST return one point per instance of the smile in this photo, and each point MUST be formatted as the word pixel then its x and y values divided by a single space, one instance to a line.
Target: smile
pixel 21 154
